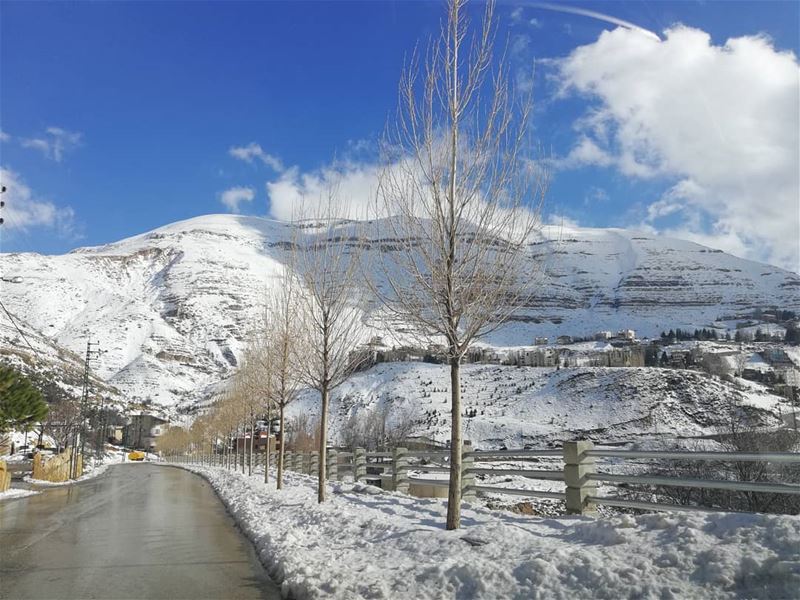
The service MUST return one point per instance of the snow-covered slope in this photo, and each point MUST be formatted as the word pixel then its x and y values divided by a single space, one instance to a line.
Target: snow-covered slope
pixel 514 406
pixel 43 359
pixel 172 307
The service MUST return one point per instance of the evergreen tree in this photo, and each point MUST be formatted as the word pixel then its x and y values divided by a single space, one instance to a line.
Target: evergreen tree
pixel 21 404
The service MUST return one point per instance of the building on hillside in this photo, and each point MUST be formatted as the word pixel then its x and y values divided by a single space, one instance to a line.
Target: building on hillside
pixel 142 431
pixel 262 438
pixel 541 357
pixel 115 434
pixel 540 341
pixel 722 362
pixel 602 335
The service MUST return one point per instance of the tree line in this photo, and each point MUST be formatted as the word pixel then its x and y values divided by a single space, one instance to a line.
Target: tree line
pixel 454 213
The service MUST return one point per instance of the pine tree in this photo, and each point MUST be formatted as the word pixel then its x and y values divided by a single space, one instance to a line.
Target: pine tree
pixel 21 404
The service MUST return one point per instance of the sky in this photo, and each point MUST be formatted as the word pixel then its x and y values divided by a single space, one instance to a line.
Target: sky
pixel 676 118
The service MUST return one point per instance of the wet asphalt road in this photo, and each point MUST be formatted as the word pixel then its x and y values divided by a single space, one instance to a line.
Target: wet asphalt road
pixel 137 531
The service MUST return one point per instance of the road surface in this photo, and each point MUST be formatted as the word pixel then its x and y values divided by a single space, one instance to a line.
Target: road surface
pixel 137 531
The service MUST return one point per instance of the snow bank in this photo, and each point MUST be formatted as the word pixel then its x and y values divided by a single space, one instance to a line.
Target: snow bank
pixel 16 493
pixel 365 543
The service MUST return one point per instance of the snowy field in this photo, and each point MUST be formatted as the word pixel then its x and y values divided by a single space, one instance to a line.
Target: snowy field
pixel 367 543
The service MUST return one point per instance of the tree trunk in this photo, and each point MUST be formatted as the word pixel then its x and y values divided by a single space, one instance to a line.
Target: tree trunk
pixel 279 483
pixel 252 444
pixel 323 436
pixel 236 451
pixel 454 493
pixel 266 449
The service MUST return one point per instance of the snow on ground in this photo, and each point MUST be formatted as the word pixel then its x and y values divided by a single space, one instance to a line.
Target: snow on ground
pixel 367 543
pixel 16 493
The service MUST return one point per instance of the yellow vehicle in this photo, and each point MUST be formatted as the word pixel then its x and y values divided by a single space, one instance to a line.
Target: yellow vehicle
pixel 136 455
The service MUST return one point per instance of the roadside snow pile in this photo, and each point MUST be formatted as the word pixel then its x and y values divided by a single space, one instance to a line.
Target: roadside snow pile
pixel 366 543
pixel 16 493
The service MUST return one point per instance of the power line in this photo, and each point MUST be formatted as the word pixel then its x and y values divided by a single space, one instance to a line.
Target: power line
pixel 17 328
pixel 3 190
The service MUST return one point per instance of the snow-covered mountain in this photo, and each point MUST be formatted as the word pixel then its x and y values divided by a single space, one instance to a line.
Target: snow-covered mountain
pixel 171 308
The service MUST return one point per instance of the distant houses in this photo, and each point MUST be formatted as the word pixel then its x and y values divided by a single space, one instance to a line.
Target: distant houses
pixel 704 351
pixel 142 431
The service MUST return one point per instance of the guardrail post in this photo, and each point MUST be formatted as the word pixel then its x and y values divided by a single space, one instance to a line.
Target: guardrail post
pixel 287 460
pixel 468 493
pixel 359 464
pixel 576 467
pixel 298 462
pixel 313 467
pixel 332 465
pixel 400 470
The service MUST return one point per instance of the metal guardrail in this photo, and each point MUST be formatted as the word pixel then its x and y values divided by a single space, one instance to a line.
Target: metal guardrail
pixel 479 454
pixel 579 473
pixel 775 457
pixel 640 505
pixel 736 486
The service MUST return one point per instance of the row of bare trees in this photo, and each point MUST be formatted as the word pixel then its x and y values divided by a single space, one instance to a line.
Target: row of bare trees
pixel 456 205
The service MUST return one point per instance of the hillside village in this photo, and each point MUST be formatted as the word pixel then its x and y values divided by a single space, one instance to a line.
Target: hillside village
pixel 762 347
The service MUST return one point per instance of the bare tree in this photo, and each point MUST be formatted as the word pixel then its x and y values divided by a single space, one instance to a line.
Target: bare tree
pixel 255 379
pixel 283 333
pixel 327 262
pixel 377 430
pixel 463 203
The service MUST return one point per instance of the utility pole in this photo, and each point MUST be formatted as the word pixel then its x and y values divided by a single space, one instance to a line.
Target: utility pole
pixel 81 432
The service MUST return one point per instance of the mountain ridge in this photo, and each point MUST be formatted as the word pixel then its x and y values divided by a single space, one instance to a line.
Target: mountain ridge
pixel 172 306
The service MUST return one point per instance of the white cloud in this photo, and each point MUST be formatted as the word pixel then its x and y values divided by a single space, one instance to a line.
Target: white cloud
pixel 54 143
pixel 595 195
pixel 350 185
pixel 254 151
pixel 4 137
pixel 234 196
pixel 24 211
pixel 723 122
pixel 562 221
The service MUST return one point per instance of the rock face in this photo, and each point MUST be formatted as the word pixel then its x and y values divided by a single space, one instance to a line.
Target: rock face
pixel 171 308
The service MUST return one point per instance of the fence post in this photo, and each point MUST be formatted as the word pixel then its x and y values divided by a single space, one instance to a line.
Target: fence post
pixel 468 493
pixel 332 467
pixel 400 470
pixel 287 460
pixel 359 464
pixel 576 467
pixel 313 467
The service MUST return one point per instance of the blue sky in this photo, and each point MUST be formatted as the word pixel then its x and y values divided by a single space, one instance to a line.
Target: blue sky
pixel 117 118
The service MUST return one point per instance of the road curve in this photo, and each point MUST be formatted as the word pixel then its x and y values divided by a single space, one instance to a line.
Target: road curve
pixel 137 531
